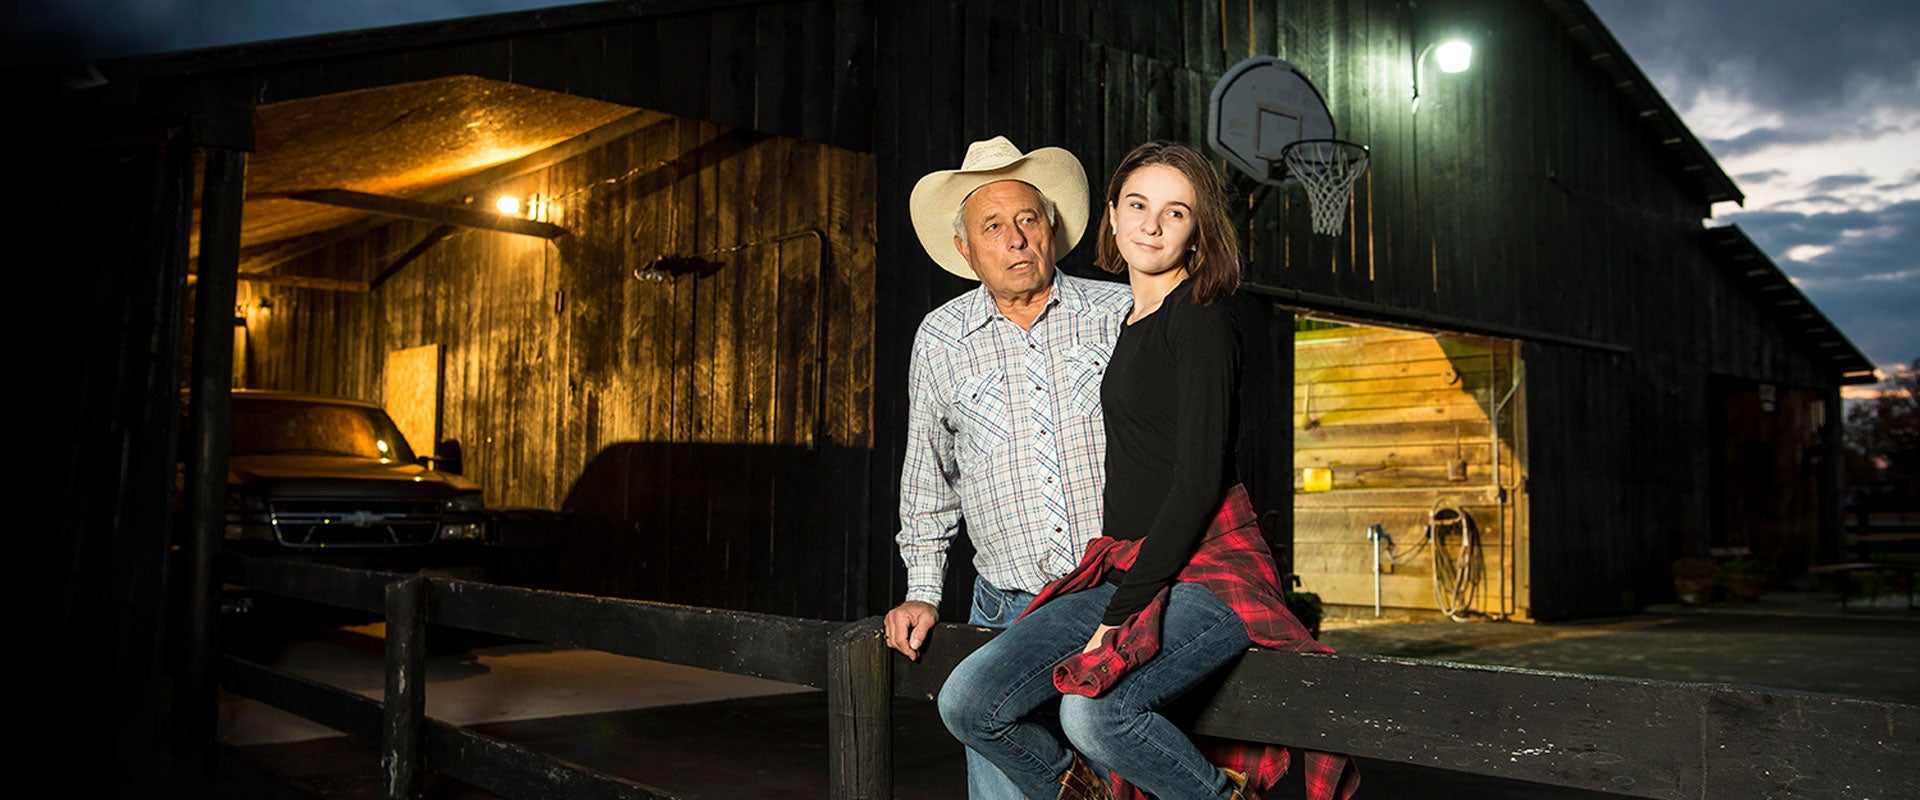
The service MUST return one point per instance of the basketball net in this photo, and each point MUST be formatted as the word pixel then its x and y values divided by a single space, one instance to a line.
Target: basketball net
pixel 1328 168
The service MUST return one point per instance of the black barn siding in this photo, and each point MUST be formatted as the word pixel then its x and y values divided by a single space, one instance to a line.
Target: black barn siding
pixel 1527 198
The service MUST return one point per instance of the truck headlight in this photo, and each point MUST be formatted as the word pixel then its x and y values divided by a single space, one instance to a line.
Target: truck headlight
pixel 462 531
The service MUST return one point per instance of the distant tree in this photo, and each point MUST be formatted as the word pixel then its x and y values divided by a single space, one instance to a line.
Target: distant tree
pixel 1883 442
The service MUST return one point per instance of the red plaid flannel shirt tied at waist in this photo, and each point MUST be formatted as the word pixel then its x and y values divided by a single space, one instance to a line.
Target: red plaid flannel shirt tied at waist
pixel 1234 563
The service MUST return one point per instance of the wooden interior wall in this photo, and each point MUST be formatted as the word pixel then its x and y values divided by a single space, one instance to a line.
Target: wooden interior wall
pixel 1385 411
pixel 708 431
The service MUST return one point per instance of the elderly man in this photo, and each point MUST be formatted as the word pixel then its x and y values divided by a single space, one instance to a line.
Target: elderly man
pixel 1004 428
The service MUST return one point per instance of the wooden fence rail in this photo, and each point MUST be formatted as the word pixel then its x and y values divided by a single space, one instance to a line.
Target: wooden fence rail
pixel 1625 736
pixel 741 643
pixel 1630 737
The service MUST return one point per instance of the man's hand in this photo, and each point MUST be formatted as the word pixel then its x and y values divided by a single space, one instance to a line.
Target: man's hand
pixel 908 624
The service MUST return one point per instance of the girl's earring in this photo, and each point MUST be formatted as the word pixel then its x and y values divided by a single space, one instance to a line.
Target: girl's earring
pixel 1116 229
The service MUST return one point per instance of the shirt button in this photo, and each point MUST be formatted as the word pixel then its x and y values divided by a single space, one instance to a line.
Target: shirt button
pixel 1056 530
pixel 1049 479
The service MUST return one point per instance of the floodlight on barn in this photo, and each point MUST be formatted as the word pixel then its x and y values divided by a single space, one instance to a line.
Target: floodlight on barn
pixel 1451 56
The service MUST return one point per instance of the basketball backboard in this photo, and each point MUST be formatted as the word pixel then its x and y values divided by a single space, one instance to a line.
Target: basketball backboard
pixel 1260 106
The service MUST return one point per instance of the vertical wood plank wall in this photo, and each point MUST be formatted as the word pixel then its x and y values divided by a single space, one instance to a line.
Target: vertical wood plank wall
pixel 1385 411
pixel 694 425
pixel 1526 193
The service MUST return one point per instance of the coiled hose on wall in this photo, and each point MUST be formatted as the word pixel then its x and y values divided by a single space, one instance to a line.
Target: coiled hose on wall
pixel 1456 573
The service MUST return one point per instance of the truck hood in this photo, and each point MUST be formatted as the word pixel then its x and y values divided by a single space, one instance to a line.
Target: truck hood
pixel 304 475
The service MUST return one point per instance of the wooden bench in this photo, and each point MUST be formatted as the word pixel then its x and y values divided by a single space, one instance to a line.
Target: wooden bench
pixel 1841 571
pixel 1864 544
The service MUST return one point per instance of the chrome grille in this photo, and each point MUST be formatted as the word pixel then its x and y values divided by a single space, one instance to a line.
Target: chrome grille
pixel 357 523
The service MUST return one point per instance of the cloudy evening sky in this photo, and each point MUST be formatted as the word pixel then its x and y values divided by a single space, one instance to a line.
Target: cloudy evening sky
pixel 1812 107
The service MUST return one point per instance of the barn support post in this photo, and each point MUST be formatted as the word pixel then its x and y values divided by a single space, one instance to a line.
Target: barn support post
pixel 225 138
pixel 406 695
pixel 860 713
pixel 120 219
pixel 1283 326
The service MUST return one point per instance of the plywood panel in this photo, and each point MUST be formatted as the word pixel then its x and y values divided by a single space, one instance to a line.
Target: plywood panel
pixel 411 391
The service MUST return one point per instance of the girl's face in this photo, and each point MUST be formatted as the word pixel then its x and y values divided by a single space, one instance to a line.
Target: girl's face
pixel 1153 219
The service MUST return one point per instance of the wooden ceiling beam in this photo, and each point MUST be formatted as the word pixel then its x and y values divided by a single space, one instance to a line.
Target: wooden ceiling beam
pixel 297 281
pixel 445 215
pixel 420 248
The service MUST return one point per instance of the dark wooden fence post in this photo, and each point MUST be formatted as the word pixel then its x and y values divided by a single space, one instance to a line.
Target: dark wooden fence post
pixel 406 698
pixel 860 713
pixel 225 138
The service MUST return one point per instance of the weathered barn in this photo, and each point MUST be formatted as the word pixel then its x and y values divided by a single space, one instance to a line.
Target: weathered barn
pixel 693 334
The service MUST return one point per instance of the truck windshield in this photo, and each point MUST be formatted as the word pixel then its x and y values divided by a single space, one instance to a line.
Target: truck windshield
pixel 291 426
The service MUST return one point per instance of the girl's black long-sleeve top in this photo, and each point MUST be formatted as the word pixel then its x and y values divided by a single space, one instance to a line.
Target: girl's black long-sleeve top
pixel 1170 396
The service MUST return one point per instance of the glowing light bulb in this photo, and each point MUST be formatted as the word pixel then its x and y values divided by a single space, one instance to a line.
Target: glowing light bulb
pixel 1454 56
pixel 507 204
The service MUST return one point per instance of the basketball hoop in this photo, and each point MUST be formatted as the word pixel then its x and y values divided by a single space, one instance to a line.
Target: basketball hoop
pixel 1328 168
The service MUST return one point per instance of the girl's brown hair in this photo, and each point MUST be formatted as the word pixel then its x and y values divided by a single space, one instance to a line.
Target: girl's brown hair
pixel 1214 265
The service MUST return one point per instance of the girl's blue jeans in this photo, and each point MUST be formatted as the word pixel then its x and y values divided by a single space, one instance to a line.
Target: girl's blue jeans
pixel 989 701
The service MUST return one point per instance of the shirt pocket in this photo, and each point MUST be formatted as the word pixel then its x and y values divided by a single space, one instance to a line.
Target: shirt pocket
pixel 981 419
pixel 1086 368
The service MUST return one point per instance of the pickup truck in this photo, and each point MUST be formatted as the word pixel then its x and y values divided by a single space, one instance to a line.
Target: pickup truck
pixel 333 480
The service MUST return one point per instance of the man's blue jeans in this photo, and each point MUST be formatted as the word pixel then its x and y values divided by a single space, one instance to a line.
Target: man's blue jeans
pixel 989 700
pixel 993 607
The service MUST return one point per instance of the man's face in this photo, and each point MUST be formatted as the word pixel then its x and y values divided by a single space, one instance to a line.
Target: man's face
pixel 1009 241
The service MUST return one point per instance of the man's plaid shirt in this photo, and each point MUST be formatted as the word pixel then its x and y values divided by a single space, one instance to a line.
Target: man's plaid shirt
pixel 1004 429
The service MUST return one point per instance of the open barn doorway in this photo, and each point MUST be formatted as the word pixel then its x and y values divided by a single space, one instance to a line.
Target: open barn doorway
pixel 1414 442
pixel 651 334
pixel 1767 445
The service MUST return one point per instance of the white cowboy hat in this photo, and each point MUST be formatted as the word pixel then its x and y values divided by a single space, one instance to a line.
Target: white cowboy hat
pixel 937 197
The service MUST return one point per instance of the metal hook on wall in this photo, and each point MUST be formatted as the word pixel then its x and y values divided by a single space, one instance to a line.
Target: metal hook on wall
pixel 667 268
